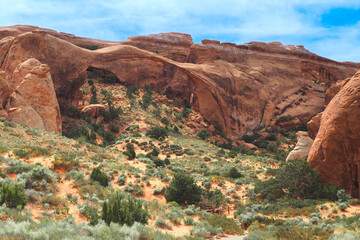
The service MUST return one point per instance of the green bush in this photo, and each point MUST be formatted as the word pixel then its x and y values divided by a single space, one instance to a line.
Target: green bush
pixel 165 121
pixel 250 138
pixel 183 190
pixel 130 152
pixel 284 119
pixel 13 196
pixel 295 179
pixel 131 91
pixel 157 133
pixel 123 209
pixel 185 112
pixel 114 128
pixel 203 134
pixel 234 173
pixel 99 176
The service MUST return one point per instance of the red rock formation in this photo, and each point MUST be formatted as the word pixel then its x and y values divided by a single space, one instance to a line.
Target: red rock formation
pixel 33 100
pixel 336 149
pixel 235 87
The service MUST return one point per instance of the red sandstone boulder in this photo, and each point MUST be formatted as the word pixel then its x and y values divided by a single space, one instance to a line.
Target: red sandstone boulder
pixel 34 101
pixel 336 149
pixel 94 110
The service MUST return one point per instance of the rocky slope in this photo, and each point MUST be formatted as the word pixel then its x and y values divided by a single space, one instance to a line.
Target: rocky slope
pixel 235 87
pixel 336 149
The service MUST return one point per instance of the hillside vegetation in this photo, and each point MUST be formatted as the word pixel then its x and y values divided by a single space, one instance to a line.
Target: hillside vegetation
pixel 145 172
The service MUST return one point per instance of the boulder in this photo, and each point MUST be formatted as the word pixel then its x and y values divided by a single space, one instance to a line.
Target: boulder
pixel 302 148
pixel 313 125
pixel 94 110
pixel 336 150
pixel 34 101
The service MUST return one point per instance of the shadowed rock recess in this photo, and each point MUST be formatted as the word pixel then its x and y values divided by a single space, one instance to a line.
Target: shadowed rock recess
pixel 235 87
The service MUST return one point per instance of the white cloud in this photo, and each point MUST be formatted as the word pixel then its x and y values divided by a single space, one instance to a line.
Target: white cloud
pixel 295 21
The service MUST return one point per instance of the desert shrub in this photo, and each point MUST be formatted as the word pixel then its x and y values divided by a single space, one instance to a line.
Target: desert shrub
pixel 343 206
pixel 91 213
pixel 109 79
pixel 134 189
pixel 185 112
pixel 232 153
pixel 121 179
pixel 13 196
pixel 146 98
pixel 165 121
pixel 114 128
pixel 296 177
pixel 183 190
pixel 157 133
pixel 123 209
pixel 159 191
pixel 92 47
pixel 130 152
pixel 211 200
pixel 169 93
pixel 112 113
pixel 249 215
pixel 109 137
pixel 131 91
pixel 188 220
pixel 234 173
pixel 31 151
pixel 284 119
pixel 203 134
pixel 99 176
pixel 67 160
pixel 158 162
pixel 227 225
pixel 342 196
pixel 250 138
pixel 161 223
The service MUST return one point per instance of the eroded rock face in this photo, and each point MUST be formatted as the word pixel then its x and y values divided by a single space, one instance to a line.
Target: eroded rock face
pixel 34 102
pixel 235 87
pixel 336 149
pixel 94 110
pixel 302 148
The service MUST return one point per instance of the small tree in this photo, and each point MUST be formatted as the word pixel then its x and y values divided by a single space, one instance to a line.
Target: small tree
pixel 203 134
pixel 130 151
pixel 183 190
pixel 13 196
pixel 157 133
pixel 121 208
pixel 99 176
pixel 234 173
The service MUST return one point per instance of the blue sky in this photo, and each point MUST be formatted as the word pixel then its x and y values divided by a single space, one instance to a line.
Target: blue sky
pixel 330 28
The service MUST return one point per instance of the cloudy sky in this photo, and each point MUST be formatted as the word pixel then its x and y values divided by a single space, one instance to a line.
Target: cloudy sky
pixel 330 28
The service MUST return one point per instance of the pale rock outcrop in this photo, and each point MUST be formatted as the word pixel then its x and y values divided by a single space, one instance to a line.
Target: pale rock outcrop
pixel 336 150
pixel 34 101
pixel 94 110
pixel 302 148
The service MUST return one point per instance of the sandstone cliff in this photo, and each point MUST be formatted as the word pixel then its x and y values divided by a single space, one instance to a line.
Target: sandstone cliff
pixel 235 87
pixel 336 149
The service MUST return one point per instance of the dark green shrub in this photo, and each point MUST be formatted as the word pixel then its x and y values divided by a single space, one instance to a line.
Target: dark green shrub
pixel 91 214
pixel 99 176
pixel 250 138
pixel 284 119
pixel 13 196
pixel 92 47
pixel 114 128
pixel 169 93
pixel 165 121
pixel 183 190
pixel 123 209
pixel 271 137
pixel 157 133
pixel 130 152
pixel 296 177
pixel 146 100
pixel 158 162
pixel 234 173
pixel 91 82
pixel 112 114
pixel 232 154
pixel 109 137
pixel 185 112
pixel 167 161
pixel 131 91
pixel 203 134
pixel 211 200
pixel 68 161
pixel 73 112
